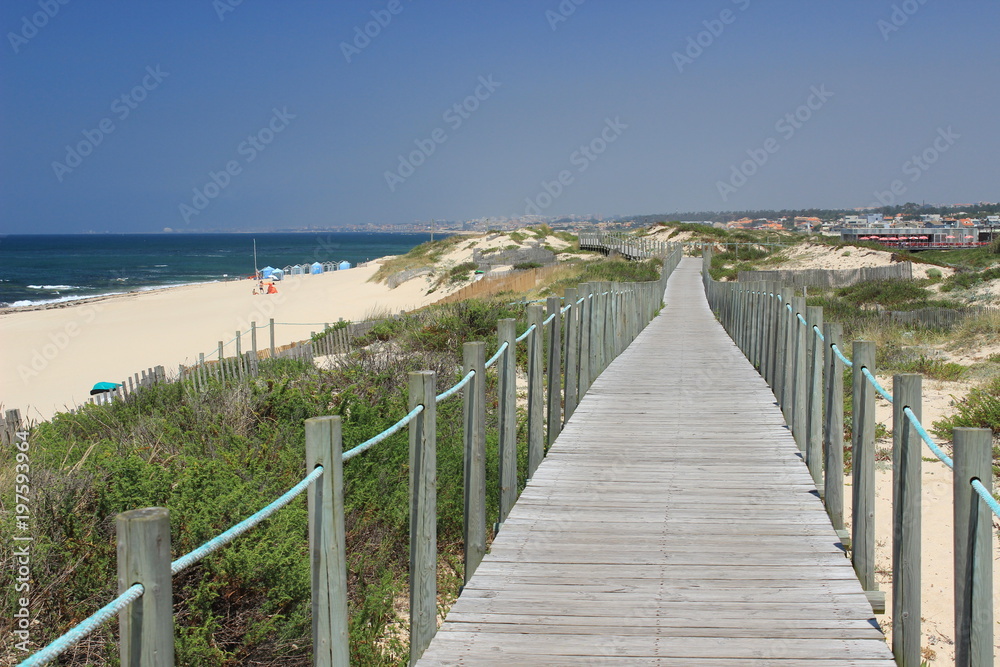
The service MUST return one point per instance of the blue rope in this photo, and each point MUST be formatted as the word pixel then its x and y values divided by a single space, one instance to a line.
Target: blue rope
pixel 84 628
pixel 228 536
pixel 819 333
pixel 847 362
pixel 451 392
pixel 986 496
pixel 565 308
pixel 548 320
pixel 492 360
pixel 926 437
pixel 789 307
pixel 374 440
pixel 879 388
pixel 802 320
pixel 525 334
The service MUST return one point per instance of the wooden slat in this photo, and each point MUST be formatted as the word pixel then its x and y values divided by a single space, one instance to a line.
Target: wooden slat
pixel 673 522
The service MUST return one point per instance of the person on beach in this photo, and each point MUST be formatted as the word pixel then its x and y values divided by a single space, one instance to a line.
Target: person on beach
pixel 271 289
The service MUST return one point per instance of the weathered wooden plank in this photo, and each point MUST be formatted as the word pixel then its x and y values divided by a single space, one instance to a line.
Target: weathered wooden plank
pixel 674 521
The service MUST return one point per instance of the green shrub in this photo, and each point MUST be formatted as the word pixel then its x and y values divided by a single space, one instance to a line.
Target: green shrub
pixel 522 266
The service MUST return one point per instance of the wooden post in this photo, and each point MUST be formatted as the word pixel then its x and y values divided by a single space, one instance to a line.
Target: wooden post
pixel 863 466
pixel 780 340
pixel 536 400
pixel 788 377
pixel 423 514
pixel 572 352
pixel 973 542
pixel 507 333
pixel 596 332
pixel 327 543
pixel 474 464
pixel 554 374
pixel 814 412
pixel 607 331
pixel 585 328
pixel 833 431
pixel 221 354
pixel 253 338
pixel 906 447
pixel 800 415
pixel 239 343
pixel 271 327
pixel 146 627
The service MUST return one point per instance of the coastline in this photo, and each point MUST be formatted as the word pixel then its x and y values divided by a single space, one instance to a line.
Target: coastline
pixel 56 352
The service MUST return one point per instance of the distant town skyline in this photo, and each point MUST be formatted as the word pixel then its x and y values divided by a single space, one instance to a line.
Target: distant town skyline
pixel 225 115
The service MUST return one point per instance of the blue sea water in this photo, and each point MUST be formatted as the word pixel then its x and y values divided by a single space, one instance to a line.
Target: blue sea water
pixel 37 269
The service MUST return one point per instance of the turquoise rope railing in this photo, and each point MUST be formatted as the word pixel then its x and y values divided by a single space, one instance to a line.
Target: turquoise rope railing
pixel 448 393
pixel 228 536
pixel 374 440
pixel 990 501
pixel 847 362
pixel 875 383
pixel 84 628
pixel 926 437
pixel 525 334
pixel 492 360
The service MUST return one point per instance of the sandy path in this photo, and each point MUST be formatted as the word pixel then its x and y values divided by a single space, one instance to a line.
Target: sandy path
pixel 53 357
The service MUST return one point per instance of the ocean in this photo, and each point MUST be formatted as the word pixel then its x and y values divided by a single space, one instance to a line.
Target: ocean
pixel 38 269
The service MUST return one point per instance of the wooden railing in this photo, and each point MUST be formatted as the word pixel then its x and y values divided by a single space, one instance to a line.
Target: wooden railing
pixel 583 333
pixel 801 358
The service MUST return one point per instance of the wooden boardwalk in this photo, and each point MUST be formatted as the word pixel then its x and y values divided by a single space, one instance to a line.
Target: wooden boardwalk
pixel 672 523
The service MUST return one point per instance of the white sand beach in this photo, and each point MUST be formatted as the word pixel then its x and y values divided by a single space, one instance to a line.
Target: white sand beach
pixel 53 357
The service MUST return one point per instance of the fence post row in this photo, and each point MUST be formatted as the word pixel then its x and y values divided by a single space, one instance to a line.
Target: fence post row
pixel 807 378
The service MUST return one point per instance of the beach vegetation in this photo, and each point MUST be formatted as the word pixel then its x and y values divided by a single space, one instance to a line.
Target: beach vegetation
pixel 425 255
pixel 216 454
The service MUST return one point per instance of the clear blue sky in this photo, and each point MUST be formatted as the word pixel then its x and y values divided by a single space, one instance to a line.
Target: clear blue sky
pixel 924 81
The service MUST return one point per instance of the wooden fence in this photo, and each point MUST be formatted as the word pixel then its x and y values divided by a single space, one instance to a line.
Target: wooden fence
pixel 800 357
pixel 514 281
pixel 829 278
pixel 567 349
